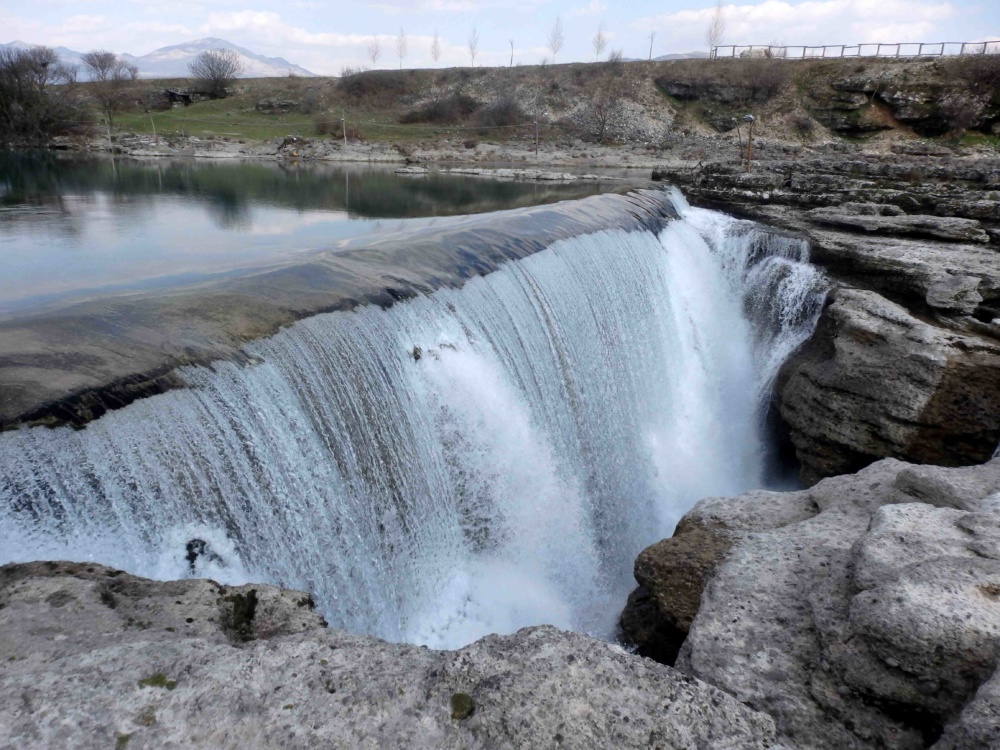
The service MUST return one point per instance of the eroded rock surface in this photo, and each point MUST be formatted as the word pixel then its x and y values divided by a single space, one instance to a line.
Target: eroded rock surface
pixel 94 658
pixel 897 224
pixel 861 613
pixel 876 381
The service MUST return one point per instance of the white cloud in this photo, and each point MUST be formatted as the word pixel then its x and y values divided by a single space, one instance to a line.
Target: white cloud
pixel 811 22
pixel 593 8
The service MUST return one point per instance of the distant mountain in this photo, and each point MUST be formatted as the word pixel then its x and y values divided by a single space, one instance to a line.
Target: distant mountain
pixel 172 62
pixel 673 56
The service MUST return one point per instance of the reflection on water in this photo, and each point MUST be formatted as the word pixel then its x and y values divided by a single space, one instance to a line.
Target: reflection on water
pixel 74 227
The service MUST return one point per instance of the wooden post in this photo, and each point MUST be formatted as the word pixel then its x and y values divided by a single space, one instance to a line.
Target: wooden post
pixel 343 124
pixel 750 147
pixel 536 139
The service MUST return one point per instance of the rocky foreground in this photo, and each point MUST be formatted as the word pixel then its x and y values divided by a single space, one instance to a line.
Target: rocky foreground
pixel 861 613
pixel 92 657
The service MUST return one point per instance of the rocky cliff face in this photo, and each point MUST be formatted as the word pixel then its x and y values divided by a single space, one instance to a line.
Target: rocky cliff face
pixel 91 657
pixel 861 613
pixel 876 381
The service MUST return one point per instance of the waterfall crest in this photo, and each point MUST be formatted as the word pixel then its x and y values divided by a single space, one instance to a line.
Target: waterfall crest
pixel 469 461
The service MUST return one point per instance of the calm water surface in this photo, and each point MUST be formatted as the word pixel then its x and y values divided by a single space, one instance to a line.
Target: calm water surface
pixel 75 228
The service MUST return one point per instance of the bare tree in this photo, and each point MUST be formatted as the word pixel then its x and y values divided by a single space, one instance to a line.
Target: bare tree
pixel 216 69
pixel 436 47
pixel 616 57
pixel 99 63
pixel 374 50
pixel 600 41
pixel 401 46
pixel 716 27
pixel 111 76
pixel 511 52
pixel 473 44
pixel 556 38
pixel 652 36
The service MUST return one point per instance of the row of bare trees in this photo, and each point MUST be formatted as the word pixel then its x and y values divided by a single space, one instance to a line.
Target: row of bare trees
pixel 554 42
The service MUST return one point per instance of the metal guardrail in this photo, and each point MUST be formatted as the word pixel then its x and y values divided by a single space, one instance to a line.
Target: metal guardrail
pixel 831 51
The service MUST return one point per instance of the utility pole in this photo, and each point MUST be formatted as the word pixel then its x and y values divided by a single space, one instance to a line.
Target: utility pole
pixel 750 120
pixel 652 36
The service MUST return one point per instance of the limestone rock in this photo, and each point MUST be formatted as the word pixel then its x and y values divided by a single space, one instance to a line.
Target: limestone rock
pixel 935 227
pixel 957 293
pixel 875 381
pixel 96 658
pixel 874 622
pixel 671 576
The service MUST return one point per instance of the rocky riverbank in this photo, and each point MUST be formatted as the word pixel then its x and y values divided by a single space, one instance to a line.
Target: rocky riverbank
pixel 92 657
pixel 861 613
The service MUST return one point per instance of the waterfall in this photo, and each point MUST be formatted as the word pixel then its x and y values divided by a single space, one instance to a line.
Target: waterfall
pixel 469 461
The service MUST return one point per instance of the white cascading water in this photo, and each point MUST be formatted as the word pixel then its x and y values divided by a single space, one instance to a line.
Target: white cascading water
pixel 467 462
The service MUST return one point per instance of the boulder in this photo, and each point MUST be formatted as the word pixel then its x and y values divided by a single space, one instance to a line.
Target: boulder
pixel 96 658
pixel 871 619
pixel 875 381
pixel 671 576
pixel 957 294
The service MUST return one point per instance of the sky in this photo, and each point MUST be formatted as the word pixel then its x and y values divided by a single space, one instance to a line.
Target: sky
pixel 327 35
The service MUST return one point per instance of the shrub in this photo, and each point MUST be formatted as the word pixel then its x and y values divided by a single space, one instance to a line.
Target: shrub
pixel 803 124
pixel 502 114
pixel 376 86
pixel 448 111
